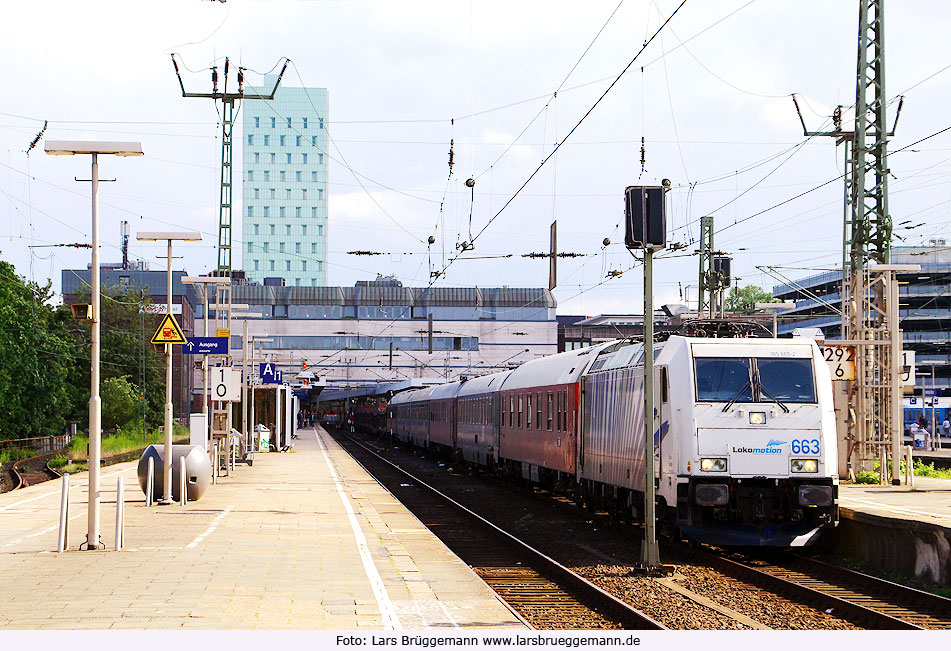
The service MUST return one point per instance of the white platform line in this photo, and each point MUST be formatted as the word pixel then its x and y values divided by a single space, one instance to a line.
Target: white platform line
pixel 17 541
pixel 889 507
pixel 387 610
pixel 58 492
pixel 452 620
pixel 211 527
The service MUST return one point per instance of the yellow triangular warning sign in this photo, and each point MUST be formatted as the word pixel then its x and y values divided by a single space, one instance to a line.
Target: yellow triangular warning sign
pixel 168 332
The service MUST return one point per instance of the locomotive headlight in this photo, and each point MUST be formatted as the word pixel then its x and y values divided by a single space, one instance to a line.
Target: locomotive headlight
pixel 757 418
pixel 805 465
pixel 713 465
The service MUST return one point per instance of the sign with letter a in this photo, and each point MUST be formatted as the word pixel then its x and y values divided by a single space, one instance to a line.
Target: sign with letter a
pixel 268 373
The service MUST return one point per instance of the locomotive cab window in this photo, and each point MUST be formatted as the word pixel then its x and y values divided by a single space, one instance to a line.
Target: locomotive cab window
pixel 721 379
pixel 786 379
pixel 760 379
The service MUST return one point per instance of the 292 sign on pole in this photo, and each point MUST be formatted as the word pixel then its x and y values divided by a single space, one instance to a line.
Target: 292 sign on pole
pixel 841 361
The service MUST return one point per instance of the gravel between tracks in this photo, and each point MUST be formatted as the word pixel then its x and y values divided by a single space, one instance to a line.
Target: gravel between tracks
pixel 605 554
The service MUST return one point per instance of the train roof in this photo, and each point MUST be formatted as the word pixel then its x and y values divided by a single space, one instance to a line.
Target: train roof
pixel 445 391
pixel 412 396
pixel 753 347
pixel 562 368
pixel 483 384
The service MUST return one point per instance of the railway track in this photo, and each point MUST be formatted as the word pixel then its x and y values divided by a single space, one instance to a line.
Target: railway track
pixel 545 593
pixel 859 598
pixel 32 471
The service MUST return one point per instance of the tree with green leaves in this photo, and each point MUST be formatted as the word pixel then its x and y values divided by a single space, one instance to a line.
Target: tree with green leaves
pixel 125 353
pixel 119 402
pixel 744 299
pixel 35 357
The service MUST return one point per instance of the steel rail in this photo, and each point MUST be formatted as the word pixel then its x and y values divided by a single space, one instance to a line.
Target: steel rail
pixel 609 605
pixel 762 578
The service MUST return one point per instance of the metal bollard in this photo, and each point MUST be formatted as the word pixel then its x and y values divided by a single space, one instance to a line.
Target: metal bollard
pixel 120 512
pixel 214 465
pixel 183 483
pixel 150 482
pixel 62 540
pixel 909 467
pixel 233 446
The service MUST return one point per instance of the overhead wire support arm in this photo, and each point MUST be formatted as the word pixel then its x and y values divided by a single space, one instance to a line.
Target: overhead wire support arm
pixel 225 95
pixel 901 102
pixel 78 245
pixel 228 101
pixel 771 271
pixel 837 120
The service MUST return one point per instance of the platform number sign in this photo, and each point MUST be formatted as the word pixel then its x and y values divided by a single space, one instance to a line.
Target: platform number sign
pixel 841 361
pixel 226 384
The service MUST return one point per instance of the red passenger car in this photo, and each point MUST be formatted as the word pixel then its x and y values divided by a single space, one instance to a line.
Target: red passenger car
pixel 539 417
pixel 442 413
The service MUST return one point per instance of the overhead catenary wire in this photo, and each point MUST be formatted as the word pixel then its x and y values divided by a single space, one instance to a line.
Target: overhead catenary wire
pixel 573 129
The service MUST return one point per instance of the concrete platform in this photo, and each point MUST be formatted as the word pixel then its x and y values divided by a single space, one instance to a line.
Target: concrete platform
pixel 928 501
pixel 301 540
pixel 903 529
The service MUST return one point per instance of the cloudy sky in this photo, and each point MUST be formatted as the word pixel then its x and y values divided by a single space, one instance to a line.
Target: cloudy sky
pixel 505 82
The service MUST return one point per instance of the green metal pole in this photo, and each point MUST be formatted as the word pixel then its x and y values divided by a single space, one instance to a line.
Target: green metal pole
pixel 649 553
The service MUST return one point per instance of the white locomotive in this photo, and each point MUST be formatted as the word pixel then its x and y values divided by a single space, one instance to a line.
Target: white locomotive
pixel 745 445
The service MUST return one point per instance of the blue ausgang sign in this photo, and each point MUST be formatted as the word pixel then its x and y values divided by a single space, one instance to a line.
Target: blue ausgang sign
pixel 205 346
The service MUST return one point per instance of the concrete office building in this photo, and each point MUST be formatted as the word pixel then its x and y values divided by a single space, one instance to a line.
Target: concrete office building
pixel 284 226
pixel 345 334
pixel 924 309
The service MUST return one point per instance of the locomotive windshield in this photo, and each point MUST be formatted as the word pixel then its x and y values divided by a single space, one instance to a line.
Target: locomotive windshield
pixel 788 380
pixel 722 379
pixel 761 379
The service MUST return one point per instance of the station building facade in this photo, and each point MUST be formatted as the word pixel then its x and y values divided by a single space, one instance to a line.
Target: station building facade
pixel 379 331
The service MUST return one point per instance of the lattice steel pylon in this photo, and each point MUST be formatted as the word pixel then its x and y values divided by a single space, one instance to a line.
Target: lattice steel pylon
pixel 228 101
pixel 705 301
pixel 224 204
pixel 869 282
pixel 869 291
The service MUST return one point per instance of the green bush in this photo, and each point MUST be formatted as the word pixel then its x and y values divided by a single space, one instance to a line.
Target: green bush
pixel 79 447
pixel 119 402
pixel 58 461
pixel 126 439
pixel 15 454
pixel 928 470
pixel 867 477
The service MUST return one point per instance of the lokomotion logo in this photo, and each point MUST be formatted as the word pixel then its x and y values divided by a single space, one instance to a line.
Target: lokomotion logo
pixel 773 447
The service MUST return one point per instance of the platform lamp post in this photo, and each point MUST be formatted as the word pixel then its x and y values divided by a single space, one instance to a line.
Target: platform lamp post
pixel 71 148
pixel 230 308
pixel 261 338
pixel 207 282
pixel 774 308
pixel 932 433
pixel 181 236
pixel 245 316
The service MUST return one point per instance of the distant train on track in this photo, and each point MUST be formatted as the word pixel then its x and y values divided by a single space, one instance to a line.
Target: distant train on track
pixel 745 447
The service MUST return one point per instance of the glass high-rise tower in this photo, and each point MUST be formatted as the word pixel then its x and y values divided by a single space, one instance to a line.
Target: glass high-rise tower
pixel 285 185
